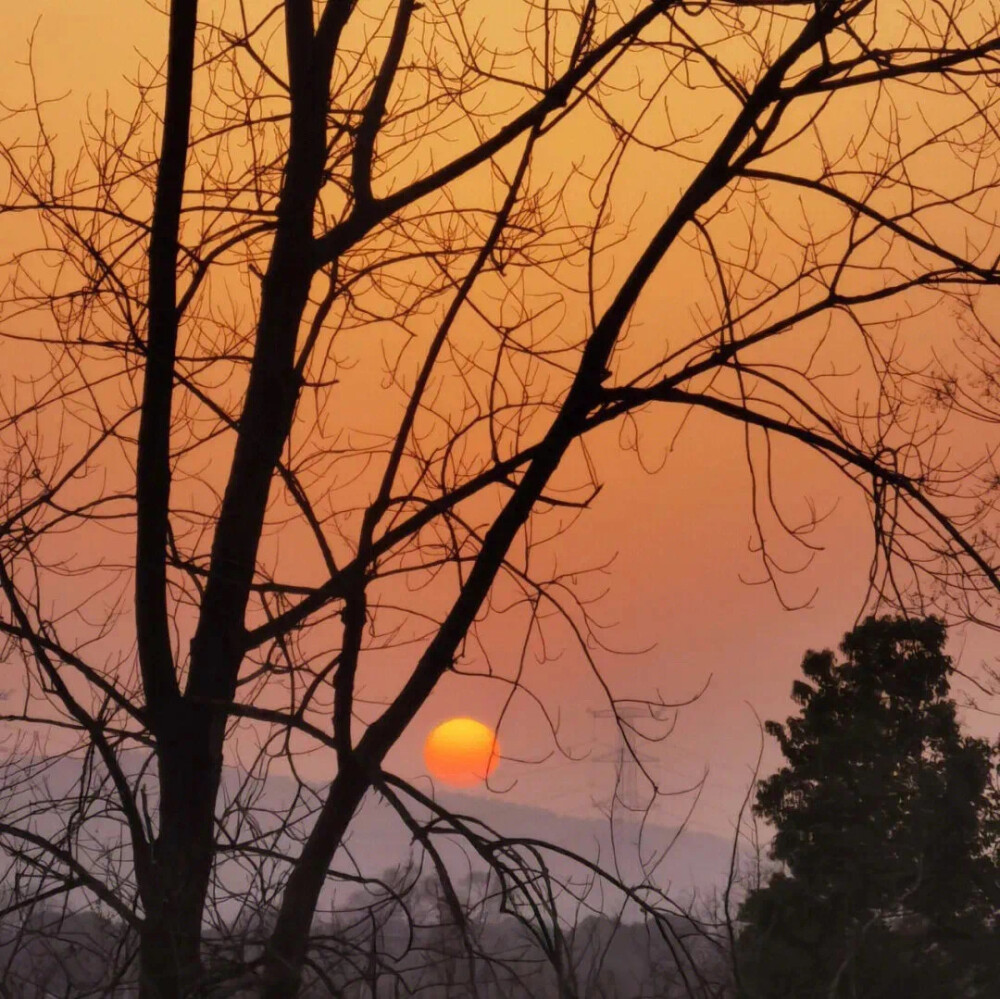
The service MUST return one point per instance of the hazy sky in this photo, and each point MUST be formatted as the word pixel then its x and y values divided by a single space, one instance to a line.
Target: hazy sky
pixel 675 541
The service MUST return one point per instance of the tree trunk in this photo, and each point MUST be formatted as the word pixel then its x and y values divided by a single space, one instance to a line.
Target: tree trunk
pixel 190 763
pixel 169 956
pixel 289 943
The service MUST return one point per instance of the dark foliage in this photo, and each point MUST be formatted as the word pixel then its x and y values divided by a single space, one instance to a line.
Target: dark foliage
pixel 886 830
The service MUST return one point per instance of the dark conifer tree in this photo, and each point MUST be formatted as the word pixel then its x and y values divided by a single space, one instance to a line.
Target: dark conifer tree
pixel 885 817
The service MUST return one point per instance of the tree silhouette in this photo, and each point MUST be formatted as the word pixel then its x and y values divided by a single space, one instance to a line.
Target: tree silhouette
pixel 311 354
pixel 885 820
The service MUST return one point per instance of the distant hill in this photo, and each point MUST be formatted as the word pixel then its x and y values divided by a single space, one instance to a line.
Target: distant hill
pixel 690 862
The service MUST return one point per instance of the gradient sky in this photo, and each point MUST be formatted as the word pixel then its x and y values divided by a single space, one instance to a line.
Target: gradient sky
pixel 675 542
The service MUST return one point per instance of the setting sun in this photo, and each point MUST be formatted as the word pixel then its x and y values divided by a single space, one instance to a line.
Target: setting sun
pixel 461 752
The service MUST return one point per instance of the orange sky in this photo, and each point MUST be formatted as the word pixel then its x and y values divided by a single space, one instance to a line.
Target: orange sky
pixel 676 541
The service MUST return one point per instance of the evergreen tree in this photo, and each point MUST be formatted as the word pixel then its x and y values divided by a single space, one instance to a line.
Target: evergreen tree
pixel 886 832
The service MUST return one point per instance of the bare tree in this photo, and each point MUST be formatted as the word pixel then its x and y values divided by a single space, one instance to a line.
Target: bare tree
pixel 317 204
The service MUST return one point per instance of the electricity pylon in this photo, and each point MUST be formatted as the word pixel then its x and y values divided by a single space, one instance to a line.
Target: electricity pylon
pixel 626 758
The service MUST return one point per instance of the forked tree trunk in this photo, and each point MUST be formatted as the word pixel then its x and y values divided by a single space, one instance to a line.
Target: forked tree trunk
pixel 191 726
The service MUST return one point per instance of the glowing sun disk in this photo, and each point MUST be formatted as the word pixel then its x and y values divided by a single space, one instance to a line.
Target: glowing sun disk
pixel 461 752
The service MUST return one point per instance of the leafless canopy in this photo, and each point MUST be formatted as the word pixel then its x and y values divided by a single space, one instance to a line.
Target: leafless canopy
pixel 312 353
